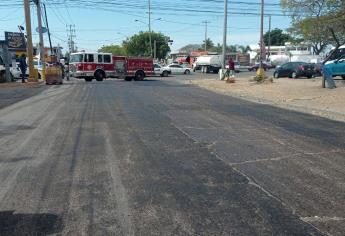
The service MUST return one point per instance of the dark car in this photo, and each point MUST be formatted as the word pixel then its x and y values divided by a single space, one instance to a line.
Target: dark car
pixel 318 69
pixel 295 70
pixel 257 66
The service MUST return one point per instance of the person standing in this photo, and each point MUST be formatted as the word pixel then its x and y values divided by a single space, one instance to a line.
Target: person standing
pixel 23 66
pixel 188 60
pixel 231 68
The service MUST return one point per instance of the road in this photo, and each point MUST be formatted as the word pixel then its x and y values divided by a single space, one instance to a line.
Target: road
pixel 162 157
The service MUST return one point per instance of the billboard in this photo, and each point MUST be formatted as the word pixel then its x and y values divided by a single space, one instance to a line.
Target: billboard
pixel 16 41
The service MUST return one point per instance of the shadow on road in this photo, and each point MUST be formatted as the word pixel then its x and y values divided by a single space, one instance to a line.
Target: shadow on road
pixel 29 224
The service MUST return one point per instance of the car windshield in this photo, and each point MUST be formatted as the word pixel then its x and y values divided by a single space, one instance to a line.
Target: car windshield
pixel 76 58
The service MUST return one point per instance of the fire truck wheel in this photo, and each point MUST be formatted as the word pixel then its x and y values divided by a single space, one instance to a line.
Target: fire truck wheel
pixel 99 75
pixel 139 76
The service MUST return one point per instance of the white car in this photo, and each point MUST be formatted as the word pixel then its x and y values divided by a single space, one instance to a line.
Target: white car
pixel 15 72
pixel 162 70
pixel 178 69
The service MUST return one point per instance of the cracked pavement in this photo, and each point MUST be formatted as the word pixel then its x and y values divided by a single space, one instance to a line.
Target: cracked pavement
pixel 161 157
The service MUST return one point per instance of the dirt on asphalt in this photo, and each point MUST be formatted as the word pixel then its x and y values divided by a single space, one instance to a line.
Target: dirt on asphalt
pixel 164 158
pixel 304 95
pixel 11 93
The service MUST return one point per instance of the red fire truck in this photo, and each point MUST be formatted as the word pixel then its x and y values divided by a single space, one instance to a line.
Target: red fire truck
pixel 100 66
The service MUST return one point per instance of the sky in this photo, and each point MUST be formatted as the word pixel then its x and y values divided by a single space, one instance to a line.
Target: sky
pixel 104 22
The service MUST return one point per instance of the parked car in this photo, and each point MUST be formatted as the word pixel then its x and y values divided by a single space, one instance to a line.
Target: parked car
pixel 255 67
pixel 337 67
pixel 15 72
pixel 161 70
pixel 178 69
pixel 318 69
pixel 295 70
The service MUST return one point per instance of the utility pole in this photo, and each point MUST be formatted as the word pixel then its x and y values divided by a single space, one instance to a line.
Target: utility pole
pixel 150 35
pixel 50 41
pixel 269 37
pixel 206 22
pixel 41 44
pixel 262 45
pixel 7 62
pixel 71 35
pixel 225 31
pixel 155 49
pixel 29 41
pixel 261 71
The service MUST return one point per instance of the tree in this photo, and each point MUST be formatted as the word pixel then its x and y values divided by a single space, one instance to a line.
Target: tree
pixel 190 48
pixel 209 45
pixel 139 44
pixel 278 37
pixel 243 49
pixel 114 49
pixel 320 22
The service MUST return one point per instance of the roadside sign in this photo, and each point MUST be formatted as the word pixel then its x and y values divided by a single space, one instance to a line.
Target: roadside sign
pixel 16 41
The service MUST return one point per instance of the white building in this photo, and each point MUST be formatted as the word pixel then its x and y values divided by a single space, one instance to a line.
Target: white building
pixel 288 53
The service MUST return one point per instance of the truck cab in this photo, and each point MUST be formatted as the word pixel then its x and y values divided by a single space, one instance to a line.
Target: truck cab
pixel 337 67
pixel 89 65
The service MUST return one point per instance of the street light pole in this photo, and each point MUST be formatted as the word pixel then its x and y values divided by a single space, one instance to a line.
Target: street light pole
pixel 261 71
pixel 269 37
pixel 29 40
pixel 41 44
pixel 225 31
pixel 150 36
pixel 262 47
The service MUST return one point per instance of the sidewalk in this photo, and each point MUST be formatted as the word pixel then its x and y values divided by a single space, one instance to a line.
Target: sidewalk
pixel 304 95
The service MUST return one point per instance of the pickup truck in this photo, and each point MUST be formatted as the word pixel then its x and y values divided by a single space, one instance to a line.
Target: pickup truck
pixel 337 67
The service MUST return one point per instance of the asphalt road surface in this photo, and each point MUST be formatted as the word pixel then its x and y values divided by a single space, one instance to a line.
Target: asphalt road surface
pixel 163 157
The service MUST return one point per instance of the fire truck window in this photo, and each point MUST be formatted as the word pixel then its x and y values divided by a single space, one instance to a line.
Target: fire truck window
pixel 89 58
pixel 100 58
pixel 107 59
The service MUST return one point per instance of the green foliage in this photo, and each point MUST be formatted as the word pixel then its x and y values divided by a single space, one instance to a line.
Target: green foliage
pixel 230 48
pixel 320 22
pixel 114 49
pixel 311 31
pixel 278 37
pixel 209 45
pixel 139 44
